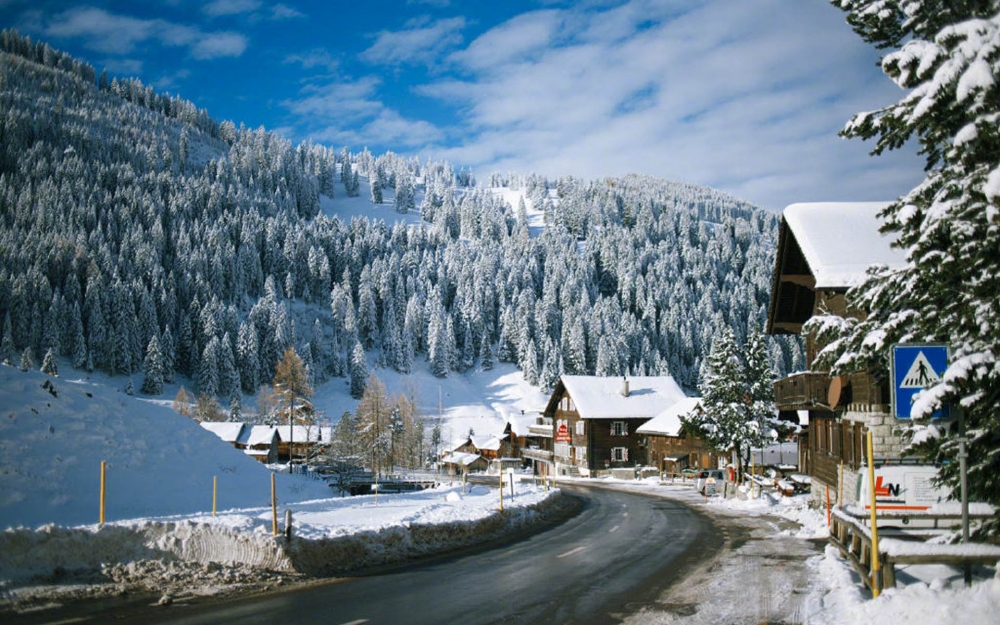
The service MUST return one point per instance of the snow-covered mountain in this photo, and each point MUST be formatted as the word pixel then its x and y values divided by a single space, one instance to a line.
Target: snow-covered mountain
pixel 127 214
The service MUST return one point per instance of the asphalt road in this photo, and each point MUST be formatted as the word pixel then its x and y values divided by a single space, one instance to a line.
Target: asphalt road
pixel 612 558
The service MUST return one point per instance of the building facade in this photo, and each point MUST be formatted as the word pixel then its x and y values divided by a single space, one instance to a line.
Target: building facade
pixel 594 421
pixel 823 250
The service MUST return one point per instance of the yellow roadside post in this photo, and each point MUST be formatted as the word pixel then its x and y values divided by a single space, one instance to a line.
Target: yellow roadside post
pixel 876 565
pixel 104 491
pixel 274 507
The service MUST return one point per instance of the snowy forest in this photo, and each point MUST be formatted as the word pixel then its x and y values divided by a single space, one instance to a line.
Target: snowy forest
pixel 138 235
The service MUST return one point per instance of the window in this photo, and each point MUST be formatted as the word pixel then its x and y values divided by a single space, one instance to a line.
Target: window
pixel 566 404
pixel 581 454
pixel 619 454
pixel 563 450
pixel 580 428
pixel 619 428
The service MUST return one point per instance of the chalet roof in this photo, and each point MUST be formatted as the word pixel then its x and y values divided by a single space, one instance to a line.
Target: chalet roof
pixel 518 420
pixel 840 240
pixel 460 458
pixel 487 443
pixel 229 432
pixel 668 422
pixel 256 435
pixel 602 397
pixel 302 434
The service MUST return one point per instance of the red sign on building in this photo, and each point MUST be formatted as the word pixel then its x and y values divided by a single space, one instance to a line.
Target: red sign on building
pixel 562 434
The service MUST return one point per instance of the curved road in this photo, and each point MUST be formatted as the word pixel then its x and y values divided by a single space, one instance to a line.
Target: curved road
pixel 617 554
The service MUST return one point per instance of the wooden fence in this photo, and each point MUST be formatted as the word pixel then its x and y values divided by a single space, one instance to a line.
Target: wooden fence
pixel 852 536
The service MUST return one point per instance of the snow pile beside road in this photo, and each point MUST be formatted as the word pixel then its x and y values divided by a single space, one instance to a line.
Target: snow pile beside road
pixel 365 536
pixel 330 535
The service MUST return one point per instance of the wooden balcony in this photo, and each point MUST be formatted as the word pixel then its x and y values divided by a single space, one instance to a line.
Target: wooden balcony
pixel 802 391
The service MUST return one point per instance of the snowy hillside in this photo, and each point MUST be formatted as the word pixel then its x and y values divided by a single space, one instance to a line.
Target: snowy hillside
pixel 52 442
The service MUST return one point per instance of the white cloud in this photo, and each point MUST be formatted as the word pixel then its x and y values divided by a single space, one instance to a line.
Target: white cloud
pixel 284 12
pixel 317 57
pixel 747 97
pixel 217 45
pixel 119 34
pixel 348 113
pixel 420 42
pixel 230 7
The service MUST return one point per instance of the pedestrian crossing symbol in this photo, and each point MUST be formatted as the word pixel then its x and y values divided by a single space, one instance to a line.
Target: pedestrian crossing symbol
pixel 920 373
pixel 914 368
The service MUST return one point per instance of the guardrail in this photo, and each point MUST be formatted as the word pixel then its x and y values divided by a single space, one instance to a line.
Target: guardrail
pixel 854 539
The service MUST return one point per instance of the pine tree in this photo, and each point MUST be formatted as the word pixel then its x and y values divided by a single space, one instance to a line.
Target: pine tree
pixel 359 371
pixel 49 362
pixel 27 362
pixel 947 62
pixel 737 400
pixel 208 374
pixel 236 406
pixel 153 368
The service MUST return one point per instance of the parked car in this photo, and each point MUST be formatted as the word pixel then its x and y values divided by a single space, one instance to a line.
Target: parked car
pixel 718 474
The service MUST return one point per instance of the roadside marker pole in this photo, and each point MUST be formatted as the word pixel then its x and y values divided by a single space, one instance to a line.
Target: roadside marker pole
pixel 501 491
pixel 215 490
pixel 828 506
pixel 876 565
pixel 274 507
pixel 840 486
pixel 104 490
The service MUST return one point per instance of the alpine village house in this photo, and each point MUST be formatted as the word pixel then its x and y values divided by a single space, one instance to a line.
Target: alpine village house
pixel 595 421
pixel 823 249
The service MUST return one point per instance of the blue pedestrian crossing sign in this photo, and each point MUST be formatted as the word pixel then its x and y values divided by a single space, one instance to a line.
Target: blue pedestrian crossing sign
pixel 914 368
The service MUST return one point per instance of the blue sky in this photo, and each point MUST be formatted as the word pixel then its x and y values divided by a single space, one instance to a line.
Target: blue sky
pixel 746 96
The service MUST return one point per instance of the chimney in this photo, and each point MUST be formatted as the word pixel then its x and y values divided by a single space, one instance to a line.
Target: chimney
pixel 624 386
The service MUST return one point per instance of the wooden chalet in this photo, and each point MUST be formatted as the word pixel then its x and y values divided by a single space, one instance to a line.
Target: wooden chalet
pixel 487 446
pixel 304 440
pixel 517 433
pixel 671 448
pixel 594 420
pixel 823 250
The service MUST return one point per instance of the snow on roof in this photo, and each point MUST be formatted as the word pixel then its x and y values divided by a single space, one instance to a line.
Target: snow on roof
pixel 302 433
pixel 256 435
pixel 602 398
pixel 460 458
pixel 840 240
pixel 668 422
pixel 229 432
pixel 518 419
pixel 487 443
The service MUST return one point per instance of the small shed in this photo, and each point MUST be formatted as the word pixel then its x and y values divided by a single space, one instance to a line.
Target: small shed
pixel 259 442
pixel 464 462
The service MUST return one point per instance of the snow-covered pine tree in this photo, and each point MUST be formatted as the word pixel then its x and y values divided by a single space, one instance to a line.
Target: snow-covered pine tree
pixel 947 58
pixel 153 368
pixel 49 362
pixel 359 371
pixel 733 418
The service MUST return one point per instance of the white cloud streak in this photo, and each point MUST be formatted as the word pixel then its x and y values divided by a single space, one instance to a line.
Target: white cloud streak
pixel 421 42
pixel 117 34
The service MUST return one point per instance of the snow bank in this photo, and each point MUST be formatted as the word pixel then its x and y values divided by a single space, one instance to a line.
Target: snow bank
pixel 50 550
pixel 451 524
pixel 329 536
